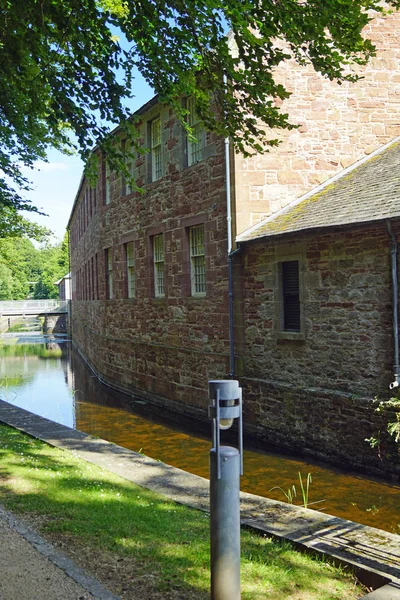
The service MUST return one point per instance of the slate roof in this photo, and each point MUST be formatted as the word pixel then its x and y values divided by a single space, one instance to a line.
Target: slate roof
pixel 367 191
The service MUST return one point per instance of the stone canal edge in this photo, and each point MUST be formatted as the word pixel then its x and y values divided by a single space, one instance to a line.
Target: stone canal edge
pixel 374 554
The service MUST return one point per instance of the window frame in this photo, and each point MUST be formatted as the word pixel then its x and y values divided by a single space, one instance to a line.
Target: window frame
pixel 130 165
pixel 290 334
pixel 130 270
pixel 197 278
pixel 159 265
pixel 107 183
pixel 109 273
pixel 156 171
pixel 194 149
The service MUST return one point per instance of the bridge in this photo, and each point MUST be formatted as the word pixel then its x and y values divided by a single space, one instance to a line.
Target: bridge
pixel 55 313
pixel 32 307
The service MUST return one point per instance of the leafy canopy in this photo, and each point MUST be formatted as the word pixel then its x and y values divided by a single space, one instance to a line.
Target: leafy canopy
pixel 30 272
pixel 13 225
pixel 64 71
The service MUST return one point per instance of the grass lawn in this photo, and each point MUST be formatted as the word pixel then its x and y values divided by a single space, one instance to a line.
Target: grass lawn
pixel 140 544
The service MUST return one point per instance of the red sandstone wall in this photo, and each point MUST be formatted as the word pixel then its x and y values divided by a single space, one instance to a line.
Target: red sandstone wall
pixel 339 124
pixel 317 394
pixel 169 346
pixel 347 311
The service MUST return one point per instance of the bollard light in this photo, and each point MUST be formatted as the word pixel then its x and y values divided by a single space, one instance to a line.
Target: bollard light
pixel 226 398
pixel 226 466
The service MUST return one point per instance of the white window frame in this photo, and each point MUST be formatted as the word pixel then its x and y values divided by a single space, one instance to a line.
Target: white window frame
pixel 130 269
pixel 108 184
pixel 110 291
pixel 130 165
pixel 195 148
pixel 197 261
pixel 156 155
pixel 159 265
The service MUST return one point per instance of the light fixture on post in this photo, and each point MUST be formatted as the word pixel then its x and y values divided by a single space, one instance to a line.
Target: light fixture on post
pixel 226 466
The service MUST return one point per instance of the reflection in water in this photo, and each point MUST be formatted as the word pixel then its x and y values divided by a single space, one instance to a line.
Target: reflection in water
pixel 34 377
pixel 65 390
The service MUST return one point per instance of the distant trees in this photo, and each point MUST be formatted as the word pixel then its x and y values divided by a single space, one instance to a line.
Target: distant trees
pixel 54 263
pixel 26 271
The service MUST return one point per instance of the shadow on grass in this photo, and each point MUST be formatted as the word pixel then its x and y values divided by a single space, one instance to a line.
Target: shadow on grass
pixel 169 541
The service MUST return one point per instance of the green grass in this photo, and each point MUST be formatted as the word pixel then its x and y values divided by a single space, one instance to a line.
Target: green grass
pixel 17 328
pixel 39 350
pixel 168 541
pixel 50 353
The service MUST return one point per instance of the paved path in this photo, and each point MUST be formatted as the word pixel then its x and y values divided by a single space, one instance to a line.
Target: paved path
pixel 32 569
pixel 374 553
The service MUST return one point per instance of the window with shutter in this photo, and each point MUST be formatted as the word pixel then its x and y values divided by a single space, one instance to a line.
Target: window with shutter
pixel 290 286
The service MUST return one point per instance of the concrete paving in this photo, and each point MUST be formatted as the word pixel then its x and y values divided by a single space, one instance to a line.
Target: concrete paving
pixel 375 554
pixel 31 568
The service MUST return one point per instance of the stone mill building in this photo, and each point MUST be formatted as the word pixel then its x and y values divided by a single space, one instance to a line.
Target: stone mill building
pixel 301 312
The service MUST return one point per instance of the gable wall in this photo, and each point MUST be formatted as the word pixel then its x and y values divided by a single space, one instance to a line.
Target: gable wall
pixel 338 125
pixel 316 394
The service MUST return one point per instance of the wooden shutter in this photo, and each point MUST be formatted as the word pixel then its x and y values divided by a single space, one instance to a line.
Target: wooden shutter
pixel 291 295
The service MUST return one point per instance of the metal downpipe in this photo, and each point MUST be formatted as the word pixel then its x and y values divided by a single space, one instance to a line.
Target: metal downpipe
pixel 229 238
pixel 230 255
pixel 395 303
pixel 231 314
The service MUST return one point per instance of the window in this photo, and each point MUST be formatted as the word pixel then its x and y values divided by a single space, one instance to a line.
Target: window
pixel 97 276
pixel 89 281
pixel 290 296
pixel 128 189
pixel 91 202
pixel 156 163
pixel 108 184
pixel 109 273
pixel 158 256
pixel 195 148
pixel 130 269
pixel 93 279
pixel 197 261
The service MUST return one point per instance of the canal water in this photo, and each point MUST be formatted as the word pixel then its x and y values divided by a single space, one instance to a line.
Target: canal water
pixel 49 378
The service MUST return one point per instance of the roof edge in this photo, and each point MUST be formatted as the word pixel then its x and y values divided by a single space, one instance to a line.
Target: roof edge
pixel 323 229
pixel 141 110
pixel 241 237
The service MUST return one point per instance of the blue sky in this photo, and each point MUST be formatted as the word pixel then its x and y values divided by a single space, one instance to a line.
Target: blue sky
pixel 55 183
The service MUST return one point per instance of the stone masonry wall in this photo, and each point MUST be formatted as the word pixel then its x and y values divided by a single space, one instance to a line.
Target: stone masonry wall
pixel 338 125
pixel 315 395
pixel 159 347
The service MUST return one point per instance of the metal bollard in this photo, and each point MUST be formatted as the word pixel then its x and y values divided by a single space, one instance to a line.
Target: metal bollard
pixel 225 470
pixel 225 524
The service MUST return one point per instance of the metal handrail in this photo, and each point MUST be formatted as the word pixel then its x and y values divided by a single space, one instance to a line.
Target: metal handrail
pixel 33 306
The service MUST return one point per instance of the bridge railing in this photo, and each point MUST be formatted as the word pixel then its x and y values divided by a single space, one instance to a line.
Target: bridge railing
pixel 24 307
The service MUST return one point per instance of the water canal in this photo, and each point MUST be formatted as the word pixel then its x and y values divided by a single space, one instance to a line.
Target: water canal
pixel 51 380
